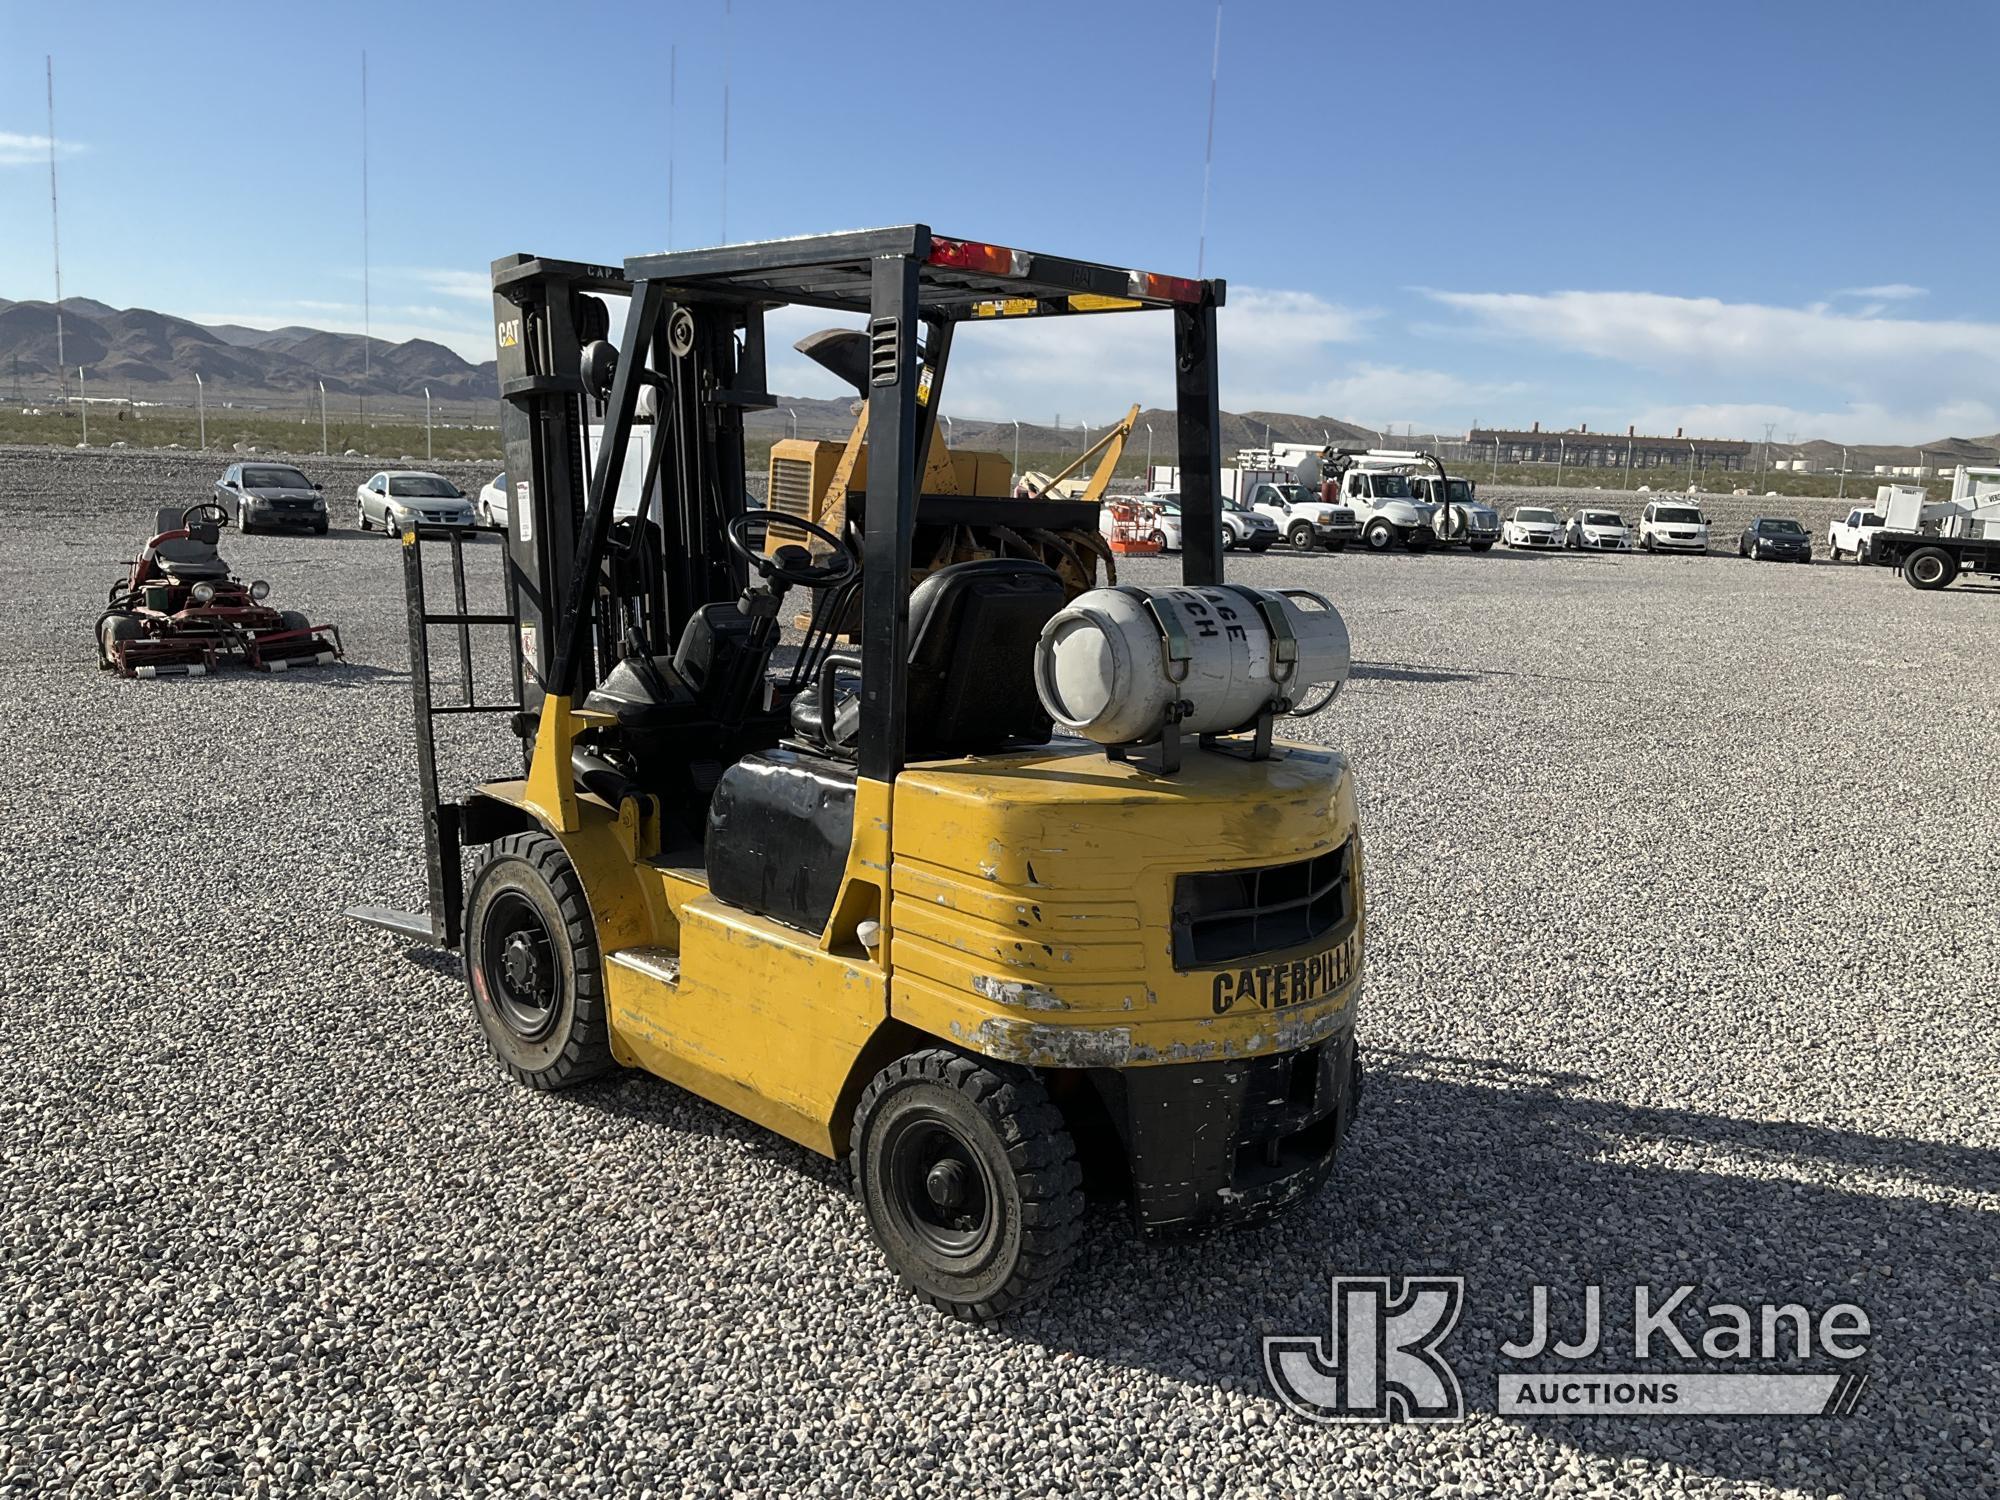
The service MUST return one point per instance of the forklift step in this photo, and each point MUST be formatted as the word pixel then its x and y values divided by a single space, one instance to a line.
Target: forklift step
pixel 661 964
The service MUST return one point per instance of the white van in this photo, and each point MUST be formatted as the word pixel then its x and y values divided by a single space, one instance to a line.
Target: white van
pixel 1673 526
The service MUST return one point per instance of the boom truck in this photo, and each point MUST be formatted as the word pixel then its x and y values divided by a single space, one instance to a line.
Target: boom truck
pixel 1022 898
pixel 1932 543
pixel 1375 484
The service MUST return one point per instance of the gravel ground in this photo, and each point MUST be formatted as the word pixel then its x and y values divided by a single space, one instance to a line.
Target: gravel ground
pixel 1682 970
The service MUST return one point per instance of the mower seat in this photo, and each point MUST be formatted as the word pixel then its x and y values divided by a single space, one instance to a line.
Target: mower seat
pixel 973 629
pixel 191 558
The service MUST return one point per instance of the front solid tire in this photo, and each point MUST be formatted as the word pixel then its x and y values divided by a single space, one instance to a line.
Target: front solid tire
pixel 532 963
pixel 969 1181
pixel 1379 537
pixel 1301 536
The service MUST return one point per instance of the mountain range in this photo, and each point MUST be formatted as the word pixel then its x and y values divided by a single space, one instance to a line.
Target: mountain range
pixel 126 351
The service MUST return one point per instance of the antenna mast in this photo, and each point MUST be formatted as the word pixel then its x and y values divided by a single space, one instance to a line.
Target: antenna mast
pixel 1208 156
pixel 728 52
pixel 55 228
pixel 367 312
pixel 673 75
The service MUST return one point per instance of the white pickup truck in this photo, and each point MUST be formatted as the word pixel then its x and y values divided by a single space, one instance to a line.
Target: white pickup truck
pixel 1302 518
pixel 1849 537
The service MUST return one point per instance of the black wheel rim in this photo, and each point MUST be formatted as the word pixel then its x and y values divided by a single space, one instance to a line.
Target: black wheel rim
pixel 938 1189
pixel 517 958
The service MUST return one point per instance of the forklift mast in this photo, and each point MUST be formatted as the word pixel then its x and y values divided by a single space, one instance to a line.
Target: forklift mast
pixel 694 373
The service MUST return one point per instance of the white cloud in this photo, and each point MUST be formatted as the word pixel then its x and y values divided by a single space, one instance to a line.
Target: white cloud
pixel 18 150
pixel 1894 291
pixel 472 286
pixel 1275 349
pixel 1862 422
pixel 1866 377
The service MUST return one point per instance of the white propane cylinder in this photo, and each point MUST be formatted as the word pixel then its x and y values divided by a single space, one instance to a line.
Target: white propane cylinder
pixel 1118 664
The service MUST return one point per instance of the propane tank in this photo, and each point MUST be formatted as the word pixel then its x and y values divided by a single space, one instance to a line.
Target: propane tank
pixel 1120 664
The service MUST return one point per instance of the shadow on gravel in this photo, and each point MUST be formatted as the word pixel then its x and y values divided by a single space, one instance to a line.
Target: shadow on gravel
pixel 1511 1177
pixel 1402 671
pixel 339 674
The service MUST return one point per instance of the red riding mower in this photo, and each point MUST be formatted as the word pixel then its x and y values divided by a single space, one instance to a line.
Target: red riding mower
pixel 181 611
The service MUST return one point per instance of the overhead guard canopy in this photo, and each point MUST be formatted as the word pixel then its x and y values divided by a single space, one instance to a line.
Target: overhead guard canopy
pixel 959 279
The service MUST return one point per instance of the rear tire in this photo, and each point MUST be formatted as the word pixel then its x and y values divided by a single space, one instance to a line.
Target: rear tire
pixel 969 1181
pixel 361 519
pixel 1930 568
pixel 532 963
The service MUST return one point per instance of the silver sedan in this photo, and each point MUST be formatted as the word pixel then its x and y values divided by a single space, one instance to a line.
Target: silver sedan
pixel 397 498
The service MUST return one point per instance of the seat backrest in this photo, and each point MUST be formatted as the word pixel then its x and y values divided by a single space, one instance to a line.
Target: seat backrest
pixel 190 556
pixel 973 629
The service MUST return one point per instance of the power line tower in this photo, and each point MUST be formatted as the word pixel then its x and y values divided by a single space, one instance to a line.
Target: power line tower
pixel 55 230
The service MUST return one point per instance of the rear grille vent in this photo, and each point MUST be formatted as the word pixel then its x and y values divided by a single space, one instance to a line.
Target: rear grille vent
pixel 884 351
pixel 1224 915
pixel 791 486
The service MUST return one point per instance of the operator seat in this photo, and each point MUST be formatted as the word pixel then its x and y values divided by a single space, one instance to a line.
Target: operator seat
pixel 973 629
pixel 191 558
pixel 780 823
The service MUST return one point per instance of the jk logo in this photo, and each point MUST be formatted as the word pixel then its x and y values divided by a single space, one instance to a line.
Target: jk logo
pixel 1381 1363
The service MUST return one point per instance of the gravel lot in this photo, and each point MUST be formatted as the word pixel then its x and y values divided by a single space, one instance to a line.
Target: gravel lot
pixel 1682 970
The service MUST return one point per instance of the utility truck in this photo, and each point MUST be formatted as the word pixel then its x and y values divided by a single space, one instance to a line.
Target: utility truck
pixel 1931 543
pixel 1473 521
pixel 1374 483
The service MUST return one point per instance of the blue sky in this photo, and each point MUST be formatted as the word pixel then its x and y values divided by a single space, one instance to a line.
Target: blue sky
pixel 1710 216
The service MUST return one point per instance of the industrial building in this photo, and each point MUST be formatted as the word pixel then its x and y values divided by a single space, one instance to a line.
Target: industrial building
pixel 1607 450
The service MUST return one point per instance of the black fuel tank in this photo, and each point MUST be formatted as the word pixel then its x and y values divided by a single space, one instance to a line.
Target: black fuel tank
pixel 779 827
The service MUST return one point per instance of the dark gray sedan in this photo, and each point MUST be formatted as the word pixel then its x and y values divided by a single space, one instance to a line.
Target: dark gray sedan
pixel 255 496
pixel 1775 539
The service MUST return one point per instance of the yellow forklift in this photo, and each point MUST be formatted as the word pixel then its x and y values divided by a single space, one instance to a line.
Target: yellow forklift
pixel 1022 897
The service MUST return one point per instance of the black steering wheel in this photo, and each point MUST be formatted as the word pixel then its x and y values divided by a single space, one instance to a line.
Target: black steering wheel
pixel 784 566
pixel 207 511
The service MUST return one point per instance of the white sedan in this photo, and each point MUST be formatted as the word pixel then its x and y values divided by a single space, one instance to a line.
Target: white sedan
pixel 1532 527
pixel 396 498
pixel 1597 531
pixel 491 506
